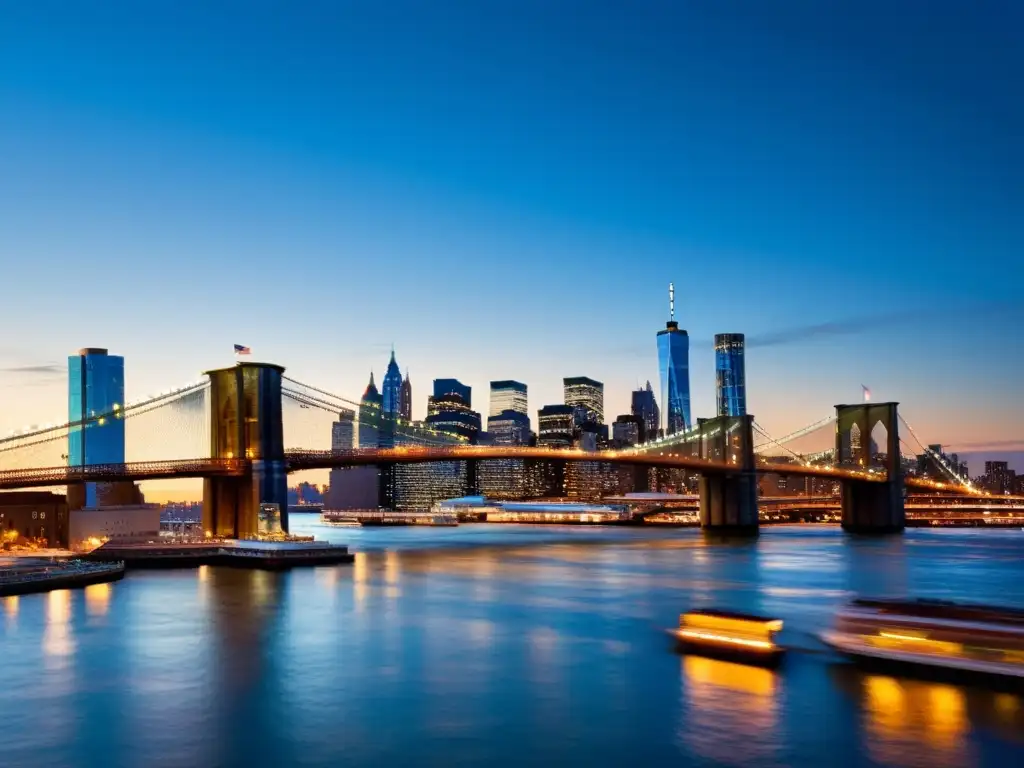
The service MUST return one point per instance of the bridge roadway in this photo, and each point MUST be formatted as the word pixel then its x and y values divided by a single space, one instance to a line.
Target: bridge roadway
pixel 298 460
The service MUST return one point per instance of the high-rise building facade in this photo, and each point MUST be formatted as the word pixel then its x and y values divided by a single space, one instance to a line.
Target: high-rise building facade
pixel 730 375
pixel 586 393
pixel 999 478
pixel 444 387
pixel 451 413
pixel 95 401
pixel 555 425
pixel 370 416
pixel 626 430
pixel 509 428
pixel 391 388
pixel 506 478
pixel 343 431
pixel 674 368
pixel 405 399
pixel 508 395
pixel 645 408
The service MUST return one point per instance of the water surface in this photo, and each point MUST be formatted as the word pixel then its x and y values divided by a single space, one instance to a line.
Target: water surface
pixel 505 645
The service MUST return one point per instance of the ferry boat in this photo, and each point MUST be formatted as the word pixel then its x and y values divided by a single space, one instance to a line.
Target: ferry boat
pixel 725 634
pixel 934 636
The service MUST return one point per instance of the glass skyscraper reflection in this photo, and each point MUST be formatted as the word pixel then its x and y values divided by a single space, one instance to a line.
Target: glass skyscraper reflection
pixel 95 402
pixel 674 369
pixel 731 388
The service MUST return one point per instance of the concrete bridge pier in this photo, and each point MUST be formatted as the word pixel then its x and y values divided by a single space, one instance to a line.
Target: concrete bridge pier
pixel 728 500
pixel 873 508
pixel 870 507
pixel 245 423
pixel 728 503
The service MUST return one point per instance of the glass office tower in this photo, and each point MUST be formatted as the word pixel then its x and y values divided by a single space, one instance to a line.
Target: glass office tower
pixel 508 395
pixel 674 367
pixel 729 373
pixel 95 400
pixel 586 393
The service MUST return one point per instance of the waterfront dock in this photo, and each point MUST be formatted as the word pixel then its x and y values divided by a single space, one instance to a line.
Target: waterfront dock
pixel 27 575
pixel 237 553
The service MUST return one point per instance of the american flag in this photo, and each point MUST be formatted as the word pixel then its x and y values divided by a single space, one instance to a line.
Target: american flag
pixel 240 350
pixel 867 393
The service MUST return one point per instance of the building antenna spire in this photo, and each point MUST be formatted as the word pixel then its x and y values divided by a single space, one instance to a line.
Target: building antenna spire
pixel 671 301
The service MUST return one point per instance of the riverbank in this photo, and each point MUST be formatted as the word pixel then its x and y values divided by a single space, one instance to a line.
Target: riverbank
pixel 24 575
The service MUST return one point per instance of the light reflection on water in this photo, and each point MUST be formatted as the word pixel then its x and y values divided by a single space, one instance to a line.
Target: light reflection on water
pixel 504 646
pixel 732 711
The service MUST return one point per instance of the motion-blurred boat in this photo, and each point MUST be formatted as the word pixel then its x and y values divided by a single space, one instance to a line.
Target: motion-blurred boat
pixel 726 634
pixel 932 636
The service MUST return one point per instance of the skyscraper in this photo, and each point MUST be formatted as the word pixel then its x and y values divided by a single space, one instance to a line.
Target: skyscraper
pixel 555 425
pixel 585 393
pixel 645 409
pixel 343 431
pixel 450 413
pixel 508 396
pixel 444 387
pixel 370 416
pixel 405 399
pixel 674 367
pixel 391 388
pixel 731 388
pixel 626 431
pixel 509 428
pixel 95 400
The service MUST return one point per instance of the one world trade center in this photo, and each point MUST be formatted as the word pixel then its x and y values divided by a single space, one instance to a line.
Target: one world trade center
pixel 674 368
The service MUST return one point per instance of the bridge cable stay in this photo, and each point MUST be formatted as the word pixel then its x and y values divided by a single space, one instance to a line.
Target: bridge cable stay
pixel 801 432
pixel 760 430
pixel 939 459
pixel 46 446
pixel 691 435
pixel 153 400
pixel 178 428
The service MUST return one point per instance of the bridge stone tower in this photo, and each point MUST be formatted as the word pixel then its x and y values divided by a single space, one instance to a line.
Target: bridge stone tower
pixel 870 507
pixel 246 423
pixel 728 499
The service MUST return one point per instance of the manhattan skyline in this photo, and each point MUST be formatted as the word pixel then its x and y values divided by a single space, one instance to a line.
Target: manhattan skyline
pixel 507 196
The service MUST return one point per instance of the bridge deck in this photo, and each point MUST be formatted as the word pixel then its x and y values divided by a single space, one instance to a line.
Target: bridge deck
pixel 305 460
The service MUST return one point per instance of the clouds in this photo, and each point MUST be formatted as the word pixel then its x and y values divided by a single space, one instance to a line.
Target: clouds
pixel 52 369
pixel 867 323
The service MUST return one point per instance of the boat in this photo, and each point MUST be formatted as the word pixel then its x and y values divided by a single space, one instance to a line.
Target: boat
pixel 726 634
pixel 936 637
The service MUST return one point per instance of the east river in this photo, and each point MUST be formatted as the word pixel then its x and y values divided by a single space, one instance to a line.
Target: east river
pixel 498 645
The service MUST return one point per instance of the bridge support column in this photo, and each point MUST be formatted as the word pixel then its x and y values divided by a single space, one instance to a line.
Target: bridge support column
pixel 245 423
pixel 871 507
pixel 728 499
pixel 728 503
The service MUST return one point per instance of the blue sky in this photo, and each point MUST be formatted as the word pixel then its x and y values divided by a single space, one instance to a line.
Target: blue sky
pixel 504 190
